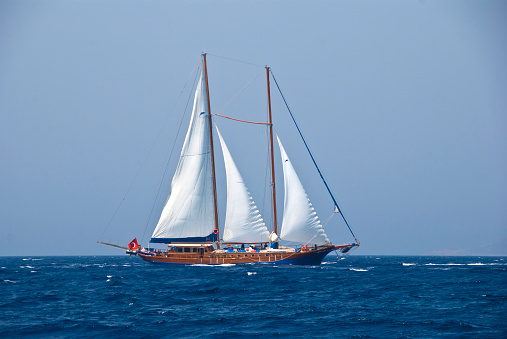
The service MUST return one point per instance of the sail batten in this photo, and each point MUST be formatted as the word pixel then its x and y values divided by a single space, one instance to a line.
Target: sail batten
pixel 300 221
pixel 243 221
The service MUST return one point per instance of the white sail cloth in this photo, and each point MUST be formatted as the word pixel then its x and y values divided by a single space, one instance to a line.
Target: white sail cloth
pixel 243 221
pixel 300 221
pixel 189 210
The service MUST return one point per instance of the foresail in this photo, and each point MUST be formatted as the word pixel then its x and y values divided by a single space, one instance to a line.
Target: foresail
pixel 243 221
pixel 188 214
pixel 300 221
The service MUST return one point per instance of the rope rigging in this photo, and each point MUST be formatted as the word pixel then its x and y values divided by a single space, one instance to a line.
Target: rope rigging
pixel 235 60
pixel 146 158
pixel 313 159
pixel 237 94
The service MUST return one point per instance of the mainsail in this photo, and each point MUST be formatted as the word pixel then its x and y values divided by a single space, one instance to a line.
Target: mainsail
pixel 300 221
pixel 243 221
pixel 188 214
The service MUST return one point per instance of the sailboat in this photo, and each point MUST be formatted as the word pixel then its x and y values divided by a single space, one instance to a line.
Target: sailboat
pixel 189 223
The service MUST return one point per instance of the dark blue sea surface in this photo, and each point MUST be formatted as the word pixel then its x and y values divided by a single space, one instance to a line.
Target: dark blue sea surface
pixel 359 296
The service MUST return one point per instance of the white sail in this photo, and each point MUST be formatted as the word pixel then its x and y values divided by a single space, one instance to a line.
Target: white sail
pixel 300 221
pixel 243 221
pixel 189 210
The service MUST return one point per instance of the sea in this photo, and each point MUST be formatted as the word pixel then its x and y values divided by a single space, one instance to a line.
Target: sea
pixel 352 297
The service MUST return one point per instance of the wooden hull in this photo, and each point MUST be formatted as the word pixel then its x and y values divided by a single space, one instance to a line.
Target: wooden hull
pixel 289 257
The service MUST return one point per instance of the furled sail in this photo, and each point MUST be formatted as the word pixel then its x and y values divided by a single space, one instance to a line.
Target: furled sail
pixel 300 221
pixel 243 221
pixel 188 214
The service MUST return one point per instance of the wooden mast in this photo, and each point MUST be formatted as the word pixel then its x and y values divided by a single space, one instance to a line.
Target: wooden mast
pixel 212 151
pixel 270 121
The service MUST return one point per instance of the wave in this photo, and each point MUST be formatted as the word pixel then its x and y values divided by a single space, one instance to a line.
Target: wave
pixel 427 301
pixel 469 264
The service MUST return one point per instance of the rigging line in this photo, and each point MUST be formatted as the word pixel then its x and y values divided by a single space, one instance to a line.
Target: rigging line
pixel 237 94
pixel 172 148
pixel 144 161
pixel 313 159
pixel 248 122
pixel 236 60
pixel 328 219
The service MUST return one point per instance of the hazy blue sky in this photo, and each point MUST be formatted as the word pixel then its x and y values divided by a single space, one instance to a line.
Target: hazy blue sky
pixel 403 103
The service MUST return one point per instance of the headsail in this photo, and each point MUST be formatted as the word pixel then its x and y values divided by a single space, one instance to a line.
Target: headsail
pixel 188 214
pixel 300 221
pixel 243 221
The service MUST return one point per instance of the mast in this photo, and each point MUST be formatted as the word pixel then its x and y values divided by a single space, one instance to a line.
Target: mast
pixel 212 151
pixel 270 122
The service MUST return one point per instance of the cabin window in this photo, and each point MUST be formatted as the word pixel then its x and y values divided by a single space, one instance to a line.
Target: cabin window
pixel 187 249
pixel 194 249
pixel 179 249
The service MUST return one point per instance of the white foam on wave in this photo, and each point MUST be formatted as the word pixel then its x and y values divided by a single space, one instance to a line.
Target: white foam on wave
pixel 408 264
pixel 251 273
pixel 109 276
pixel 10 281
pixel 27 266
pixel 218 265
pixel 449 264
pixel 358 269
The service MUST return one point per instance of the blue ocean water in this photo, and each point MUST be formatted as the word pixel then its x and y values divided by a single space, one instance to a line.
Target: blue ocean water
pixel 359 296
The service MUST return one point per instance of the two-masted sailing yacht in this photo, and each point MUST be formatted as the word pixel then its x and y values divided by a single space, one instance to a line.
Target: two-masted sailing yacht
pixel 189 223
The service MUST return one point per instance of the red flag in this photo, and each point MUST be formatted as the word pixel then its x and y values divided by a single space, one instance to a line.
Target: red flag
pixel 133 245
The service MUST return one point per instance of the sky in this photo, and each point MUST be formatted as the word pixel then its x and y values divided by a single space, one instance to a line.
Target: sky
pixel 402 103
